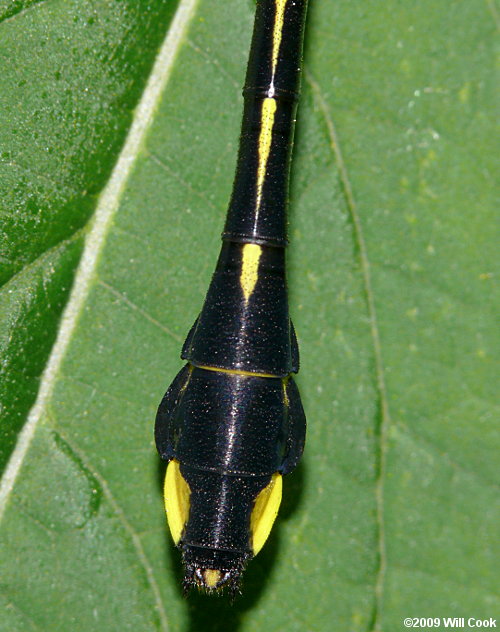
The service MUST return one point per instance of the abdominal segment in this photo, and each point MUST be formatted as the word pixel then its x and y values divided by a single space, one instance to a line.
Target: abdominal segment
pixel 228 438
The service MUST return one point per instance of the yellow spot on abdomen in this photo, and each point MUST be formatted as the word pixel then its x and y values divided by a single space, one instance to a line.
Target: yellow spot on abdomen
pixel 177 499
pixel 249 268
pixel 265 138
pixel 265 511
pixel 211 577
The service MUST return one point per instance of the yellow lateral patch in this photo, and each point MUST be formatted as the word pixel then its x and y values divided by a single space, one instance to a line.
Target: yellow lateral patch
pixel 265 138
pixel 249 268
pixel 176 493
pixel 278 30
pixel 190 373
pixel 284 381
pixel 265 511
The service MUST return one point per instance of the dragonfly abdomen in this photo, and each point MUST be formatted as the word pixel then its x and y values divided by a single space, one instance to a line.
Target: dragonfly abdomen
pixel 229 437
pixel 257 210
pixel 244 324
pixel 232 423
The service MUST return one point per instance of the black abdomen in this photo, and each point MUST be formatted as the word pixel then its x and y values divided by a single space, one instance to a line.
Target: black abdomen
pixel 244 331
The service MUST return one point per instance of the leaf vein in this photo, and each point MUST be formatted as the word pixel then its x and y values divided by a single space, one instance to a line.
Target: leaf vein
pixel 11 15
pixel 58 185
pixel 163 165
pixel 60 245
pixel 95 391
pixel 214 61
pixel 138 309
pixel 384 422
pixel 106 209
pixel 19 610
pixel 136 540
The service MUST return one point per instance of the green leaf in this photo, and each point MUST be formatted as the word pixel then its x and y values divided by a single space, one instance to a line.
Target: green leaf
pixel 394 510
pixel 71 76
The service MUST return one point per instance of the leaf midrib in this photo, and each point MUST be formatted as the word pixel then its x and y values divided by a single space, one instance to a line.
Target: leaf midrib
pixel 100 223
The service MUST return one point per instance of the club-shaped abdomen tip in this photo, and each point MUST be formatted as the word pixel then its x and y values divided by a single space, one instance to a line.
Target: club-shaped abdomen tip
pixel 216 545
pixel 211 579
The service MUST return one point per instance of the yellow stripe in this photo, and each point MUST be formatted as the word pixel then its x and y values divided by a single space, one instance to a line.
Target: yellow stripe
pixel 249 268
pixel 235 371
pixel 284 381
pixel 265 138
pixel 269 104
pixel 278 30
